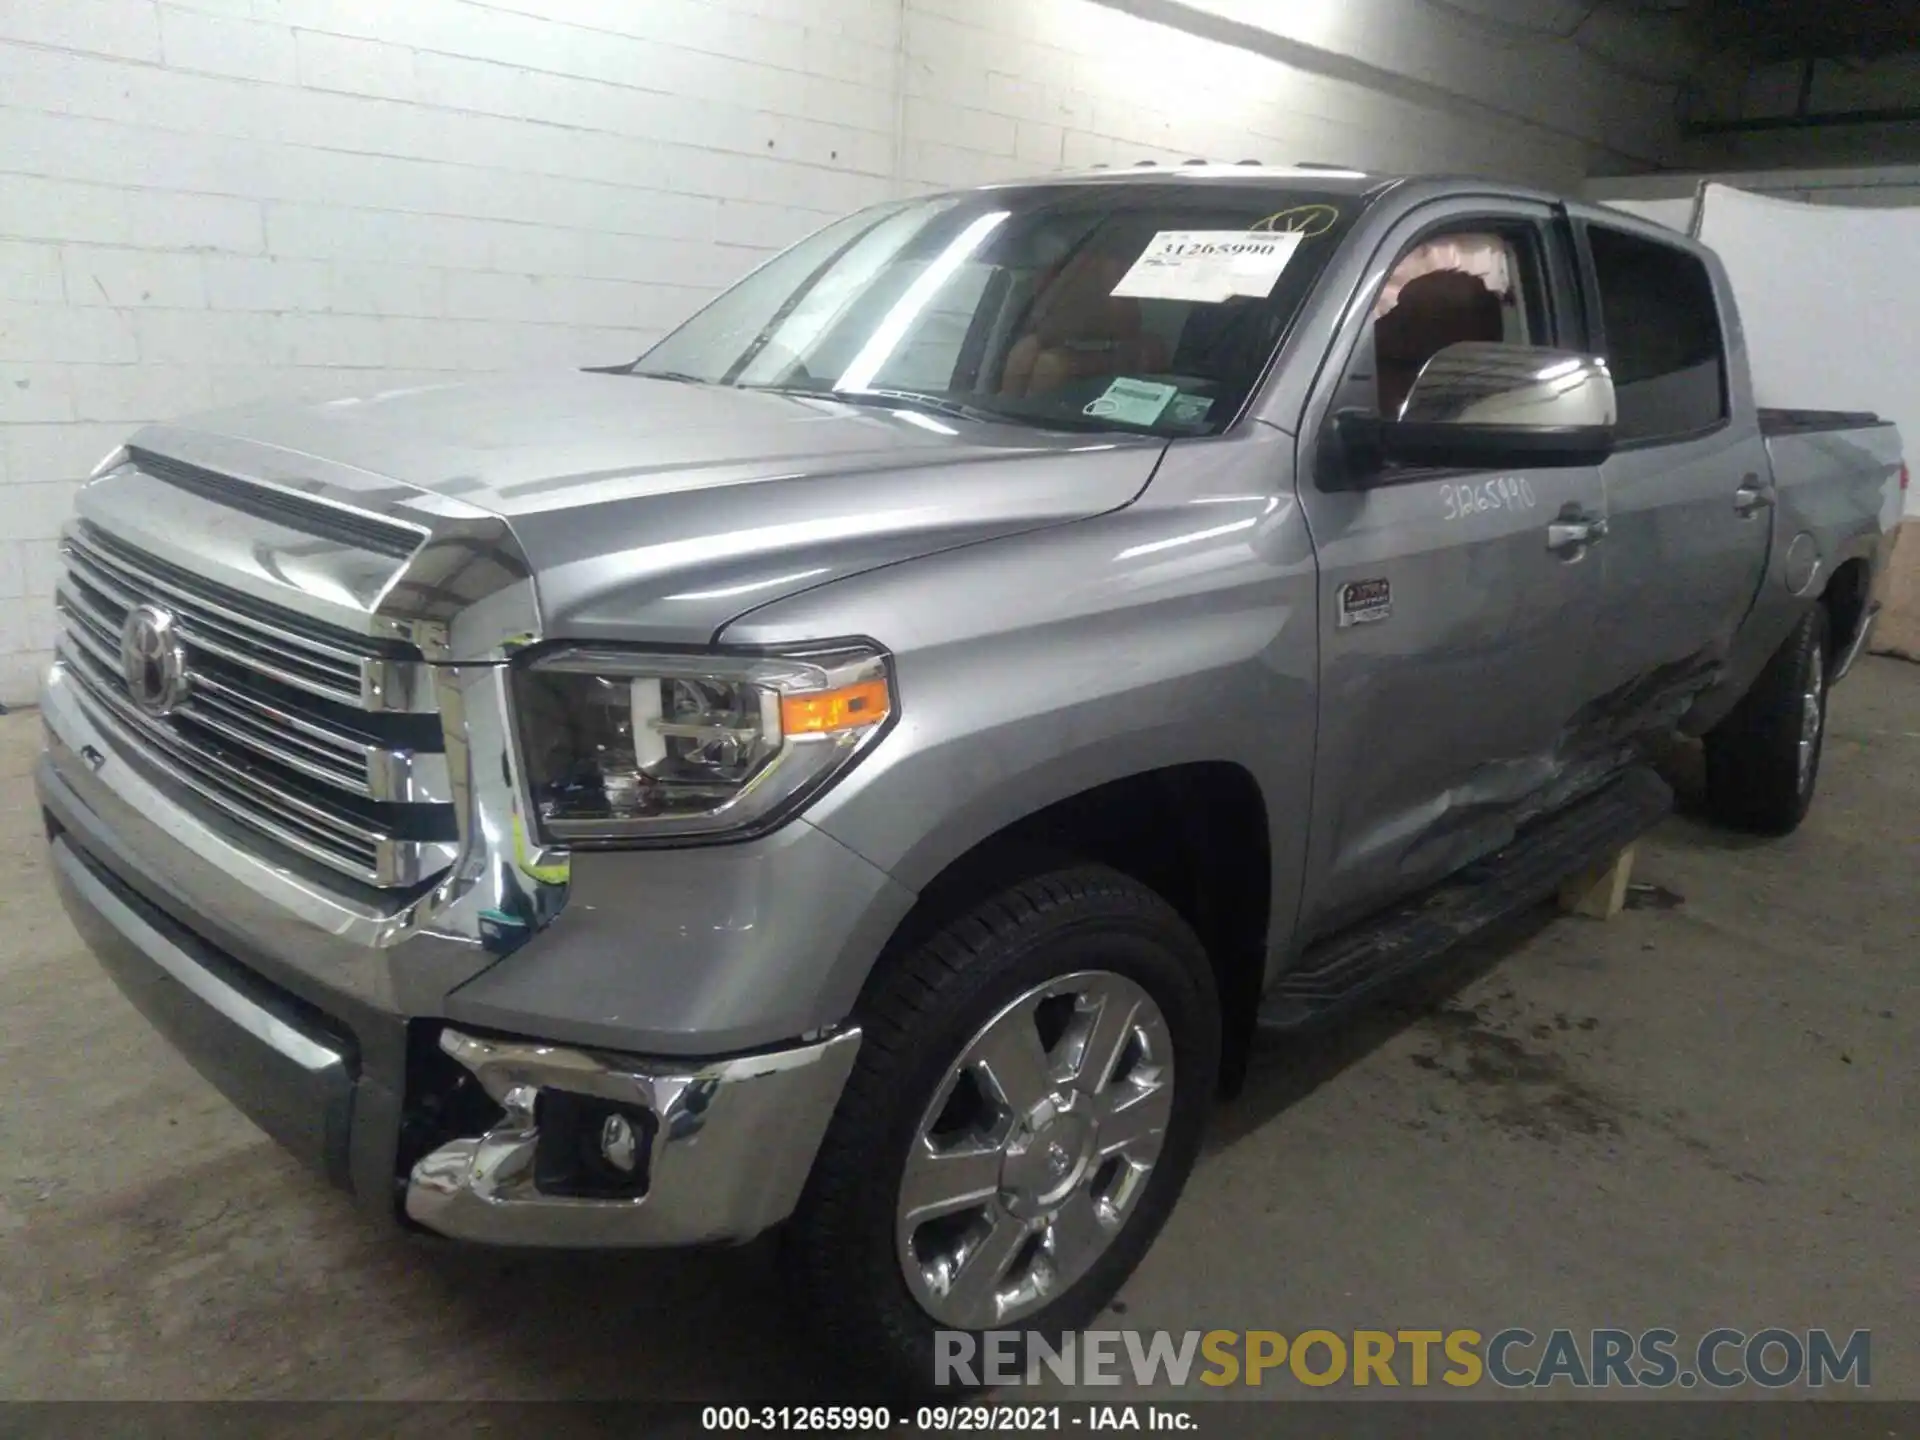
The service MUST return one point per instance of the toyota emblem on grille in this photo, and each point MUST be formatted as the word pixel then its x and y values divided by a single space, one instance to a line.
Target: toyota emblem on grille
pixel 152 660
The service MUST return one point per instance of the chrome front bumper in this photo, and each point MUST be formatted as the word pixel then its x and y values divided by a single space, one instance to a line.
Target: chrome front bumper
pixel 316 1052
pixel 280 1063
pixel 725 1145
pixel 306 1006
pixel 730 1145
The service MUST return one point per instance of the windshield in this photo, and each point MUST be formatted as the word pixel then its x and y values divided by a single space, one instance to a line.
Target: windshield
pixel 1131 306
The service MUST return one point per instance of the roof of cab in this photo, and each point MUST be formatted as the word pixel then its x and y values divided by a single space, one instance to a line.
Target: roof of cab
pixel 1333 178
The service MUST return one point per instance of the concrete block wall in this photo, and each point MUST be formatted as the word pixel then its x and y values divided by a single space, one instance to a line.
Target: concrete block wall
pixel 203 201
pixel 995 89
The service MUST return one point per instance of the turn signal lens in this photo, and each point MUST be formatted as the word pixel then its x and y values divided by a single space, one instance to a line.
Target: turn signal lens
pixel 825 712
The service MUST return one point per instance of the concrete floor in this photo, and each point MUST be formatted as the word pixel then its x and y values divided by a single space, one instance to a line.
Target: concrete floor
pixel 1703 1113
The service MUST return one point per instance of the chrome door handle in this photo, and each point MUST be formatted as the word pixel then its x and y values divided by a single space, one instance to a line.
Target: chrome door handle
pixel 1751 496
pixel 1572 534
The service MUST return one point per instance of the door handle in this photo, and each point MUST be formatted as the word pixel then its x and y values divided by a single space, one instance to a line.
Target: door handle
pixel 1573 534
pixel 1752 496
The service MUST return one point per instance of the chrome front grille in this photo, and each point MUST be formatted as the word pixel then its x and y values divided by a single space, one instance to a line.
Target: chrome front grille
pixel 317 739
pixel 278 646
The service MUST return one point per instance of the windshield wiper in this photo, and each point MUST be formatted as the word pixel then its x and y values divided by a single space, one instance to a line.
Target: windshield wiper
pixel 939 404
pixel 680 376
pixel 900 399
pixel 958 409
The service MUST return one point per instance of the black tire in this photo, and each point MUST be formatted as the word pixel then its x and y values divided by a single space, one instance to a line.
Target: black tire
pixel 1754 777
pixel 918 1014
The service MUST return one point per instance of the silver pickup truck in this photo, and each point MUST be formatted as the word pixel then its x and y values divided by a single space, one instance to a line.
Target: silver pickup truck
pixel 871 766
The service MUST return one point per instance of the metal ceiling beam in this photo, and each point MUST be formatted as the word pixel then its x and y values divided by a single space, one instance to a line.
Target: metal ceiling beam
pixel 1808 33
pixel 1815 120
pixel 1815 29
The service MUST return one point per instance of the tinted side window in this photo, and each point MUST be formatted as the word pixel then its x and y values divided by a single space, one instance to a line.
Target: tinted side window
pixel 1663 336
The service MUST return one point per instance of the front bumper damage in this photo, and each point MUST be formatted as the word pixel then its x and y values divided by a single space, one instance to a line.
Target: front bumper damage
pixel 714 1152
pixel 465 1030
pixel 460 1127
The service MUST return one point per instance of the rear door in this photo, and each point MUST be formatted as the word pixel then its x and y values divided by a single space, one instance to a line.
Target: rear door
pixel 1688 488
pixel 1453 640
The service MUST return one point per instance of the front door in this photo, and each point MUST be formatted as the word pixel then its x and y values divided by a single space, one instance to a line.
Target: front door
pixel 1453 636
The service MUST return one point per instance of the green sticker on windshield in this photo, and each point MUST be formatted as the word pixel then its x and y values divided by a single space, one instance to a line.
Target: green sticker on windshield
pixel 1189 409
pixel 1136 402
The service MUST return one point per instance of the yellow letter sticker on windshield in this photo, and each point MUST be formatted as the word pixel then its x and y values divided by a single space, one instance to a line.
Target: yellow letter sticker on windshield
pixel 1134 402
pixel 1209 265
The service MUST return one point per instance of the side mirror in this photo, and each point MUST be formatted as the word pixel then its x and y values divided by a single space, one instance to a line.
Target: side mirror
pixel 1479 406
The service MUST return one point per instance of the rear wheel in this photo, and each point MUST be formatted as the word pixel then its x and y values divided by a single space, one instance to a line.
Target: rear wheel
pixel 1763 760
pixel 1027 1103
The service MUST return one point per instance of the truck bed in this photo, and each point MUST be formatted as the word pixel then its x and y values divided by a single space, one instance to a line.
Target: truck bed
pixel 1807 422
pixel 1836 478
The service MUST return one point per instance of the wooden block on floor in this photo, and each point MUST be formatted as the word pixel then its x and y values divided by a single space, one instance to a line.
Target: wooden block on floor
pixel 1898 632
pixel 1601 890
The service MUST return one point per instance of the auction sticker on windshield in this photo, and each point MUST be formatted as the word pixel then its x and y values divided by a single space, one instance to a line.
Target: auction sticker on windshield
pixel 1208 265
pixel 1137 402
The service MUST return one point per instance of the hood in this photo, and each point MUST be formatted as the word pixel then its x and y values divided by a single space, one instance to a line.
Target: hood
pixel 653 510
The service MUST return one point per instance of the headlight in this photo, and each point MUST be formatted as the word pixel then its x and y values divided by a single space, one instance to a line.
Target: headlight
pixel 620 746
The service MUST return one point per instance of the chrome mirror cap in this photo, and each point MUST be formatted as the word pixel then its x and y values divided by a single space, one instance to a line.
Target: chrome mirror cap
pixel 1479 383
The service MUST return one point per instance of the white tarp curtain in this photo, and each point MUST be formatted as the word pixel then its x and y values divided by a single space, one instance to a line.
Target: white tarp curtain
pixel 1830 299
pixel 1675 214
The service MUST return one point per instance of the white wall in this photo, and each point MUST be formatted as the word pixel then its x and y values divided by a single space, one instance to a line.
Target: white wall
pixel 1675 214
pixel 1012 87
pixel 207 200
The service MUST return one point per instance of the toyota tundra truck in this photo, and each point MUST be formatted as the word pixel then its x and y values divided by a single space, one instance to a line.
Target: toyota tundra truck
pixel 870 767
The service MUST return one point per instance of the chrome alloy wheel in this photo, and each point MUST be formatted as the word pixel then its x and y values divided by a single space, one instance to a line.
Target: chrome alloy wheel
pixel 1035 1149
pixel 1812 715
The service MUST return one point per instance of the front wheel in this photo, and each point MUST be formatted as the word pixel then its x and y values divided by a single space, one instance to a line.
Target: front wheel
pixel 1763 760
pixel 1027 1103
